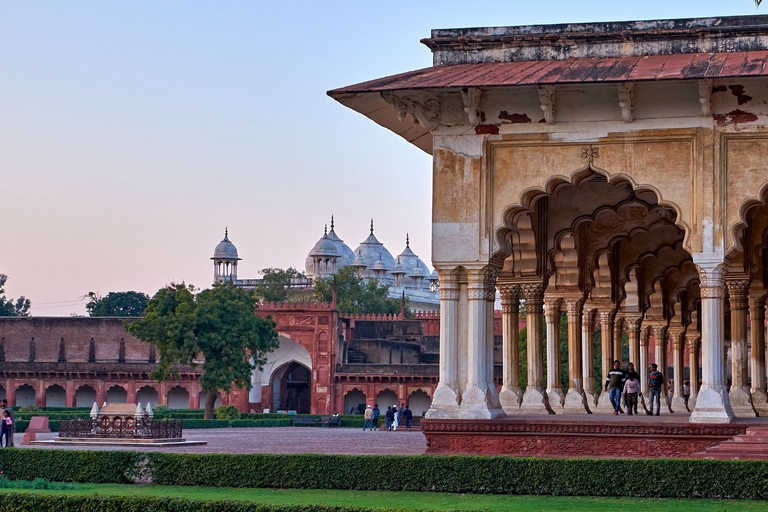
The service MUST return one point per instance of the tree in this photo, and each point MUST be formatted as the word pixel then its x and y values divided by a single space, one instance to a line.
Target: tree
pixel 219 323
pixel 355 295
pixel 117 304
pixel 275 283
pixel 10 308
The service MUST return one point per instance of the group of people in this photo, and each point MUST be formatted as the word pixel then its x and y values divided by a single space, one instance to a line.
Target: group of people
pixel 626 383
pixel 392 418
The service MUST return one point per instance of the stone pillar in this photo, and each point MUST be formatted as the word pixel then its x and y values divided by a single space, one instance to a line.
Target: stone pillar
pixel 632 325
pixel 445 402
pixel 692 342
pixel 644 363
pixel 757 361
pixel 490 299
pixel 607 317
pixel 510 395
pixel 535 398
pixel 70 394
pixel 739 395
pixel 618 331
pixel 554 388
pixel 677 336
pixel 477 400
pixel 588 355
pixel 712 403
pixel 575 399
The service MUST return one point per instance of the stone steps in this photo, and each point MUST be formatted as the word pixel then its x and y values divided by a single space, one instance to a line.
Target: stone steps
pixel 752 445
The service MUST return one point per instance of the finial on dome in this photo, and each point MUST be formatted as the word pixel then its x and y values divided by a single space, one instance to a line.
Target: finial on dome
pixel 331 222
pixel 226 234
pixel 371 225
pixel 407 240
pixel 325 230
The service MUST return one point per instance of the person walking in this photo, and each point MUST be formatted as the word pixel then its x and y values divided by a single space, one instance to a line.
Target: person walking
pixel 389 417
pixel 368 416
pixel 395 418
pixel 375 416
pixel 614 384
pixel 631 390
pixel 687 394
pixel 655 385
pixel 408 415
pixel 630 374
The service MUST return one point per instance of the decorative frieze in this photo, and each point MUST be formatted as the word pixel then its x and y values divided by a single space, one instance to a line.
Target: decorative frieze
pixel 425 111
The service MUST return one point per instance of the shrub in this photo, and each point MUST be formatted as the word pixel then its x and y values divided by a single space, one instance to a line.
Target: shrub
pixel 227 412
pixel 71 465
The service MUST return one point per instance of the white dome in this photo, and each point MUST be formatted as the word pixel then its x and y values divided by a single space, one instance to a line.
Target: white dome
pixel 344 253
pixel 371 251
pixel 225 250
pixel 411 263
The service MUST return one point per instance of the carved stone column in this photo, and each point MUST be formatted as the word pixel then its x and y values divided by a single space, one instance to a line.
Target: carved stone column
pixel 739 395
pixel 511 395
pixel 632 324
pixel 645 335
pixel 588 355
pixel 757 361
pixel 554 388
pixel 535 398
pixel 575 399
pixel 445 400
pixel 712 403
pixel 477 400
pixel 692 342
pixel 677 337
pixel 490 299
pixel 607 317
pixel 618 334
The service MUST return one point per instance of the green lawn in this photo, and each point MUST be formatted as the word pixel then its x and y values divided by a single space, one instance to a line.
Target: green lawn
pixel 413 500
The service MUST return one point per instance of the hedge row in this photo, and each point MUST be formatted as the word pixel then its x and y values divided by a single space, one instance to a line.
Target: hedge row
pixel 115 467
pixel 21 502
pixel 674 478
pixel 195 423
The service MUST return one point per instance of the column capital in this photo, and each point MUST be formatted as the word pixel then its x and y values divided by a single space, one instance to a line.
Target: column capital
pixel 676 336
pixel 711 270
pixel 532 292
pixel 633 322
pixel 552 307
pixel 738 290
pixel 510 293
pixel 692 341
pixel 607 315
pixel 573 307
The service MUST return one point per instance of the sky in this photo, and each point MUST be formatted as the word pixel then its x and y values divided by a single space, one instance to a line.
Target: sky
pixel 132 133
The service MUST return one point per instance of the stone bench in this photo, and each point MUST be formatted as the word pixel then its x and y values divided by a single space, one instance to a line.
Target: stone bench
pixel 37 425
pixel 330 421
pixel 304 421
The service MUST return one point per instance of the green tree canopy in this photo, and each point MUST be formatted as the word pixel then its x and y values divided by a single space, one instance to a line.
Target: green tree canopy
pixel 355 295
pixel 218 323
pixel 9 307
pixel 275 283
pixel 117 304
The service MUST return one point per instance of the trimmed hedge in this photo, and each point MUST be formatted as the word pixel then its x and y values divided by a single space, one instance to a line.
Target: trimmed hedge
pixel 103 467
pixel 667 478
pixel 23 502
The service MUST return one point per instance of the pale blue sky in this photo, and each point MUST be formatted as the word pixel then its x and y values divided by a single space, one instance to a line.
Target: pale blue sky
pixel 132 133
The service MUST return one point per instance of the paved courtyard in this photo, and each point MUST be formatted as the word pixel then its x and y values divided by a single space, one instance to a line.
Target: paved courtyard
pixel 350 441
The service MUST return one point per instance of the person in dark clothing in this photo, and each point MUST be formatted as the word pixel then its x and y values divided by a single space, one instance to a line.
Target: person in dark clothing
pixel 631 373
pixel 376 414
pixel 655 385
pixel 5 407
pixel 390 417
pixel 408 415
pixel 614 385
pixel 5 430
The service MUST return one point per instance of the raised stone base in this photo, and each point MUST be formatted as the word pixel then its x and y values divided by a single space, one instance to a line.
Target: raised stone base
pixel 556 398
pixel 741 403
pixel 445 403
pixel 712 406
pixel 535 401
pixel 539 437
pixel 95 441
pixel 509 399
pixel 604 403
pixel 576 403
pixel 760 402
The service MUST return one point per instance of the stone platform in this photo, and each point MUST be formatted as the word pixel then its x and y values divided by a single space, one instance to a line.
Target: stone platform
pixel 132 442
pixel 581 436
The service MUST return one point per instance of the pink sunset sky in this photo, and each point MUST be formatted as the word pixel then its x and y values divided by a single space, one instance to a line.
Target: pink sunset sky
pixel 133 133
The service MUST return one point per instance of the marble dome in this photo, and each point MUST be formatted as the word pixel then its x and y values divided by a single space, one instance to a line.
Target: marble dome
pixel 225 249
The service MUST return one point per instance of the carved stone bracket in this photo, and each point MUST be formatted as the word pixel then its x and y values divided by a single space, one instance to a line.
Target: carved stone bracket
pixel 425 111
pixel 471 98
pixel 705 97
pixel 547 100
pixel 627 101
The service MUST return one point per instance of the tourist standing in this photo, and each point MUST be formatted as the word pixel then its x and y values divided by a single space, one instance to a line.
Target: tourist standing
pixel 376 414
pixel 408 417
pixel 389 417
pixel 5 429
pixel 5 407
pixel 631 390
pixel 655 385
pixel 614 384
pixel 368 418
pixel 686 394
pixel 395 418
pixel 630 374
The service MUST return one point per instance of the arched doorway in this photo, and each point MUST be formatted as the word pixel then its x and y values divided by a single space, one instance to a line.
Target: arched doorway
pixel 386 398
pixel 85 396
pixel 290 388
pixel 263 382
pixel 25 396
pixel 419 402
pixel 147 394
pixel 117 395
pixel 178 398
pixel 354 402
pixel 55 396
pixel 203 396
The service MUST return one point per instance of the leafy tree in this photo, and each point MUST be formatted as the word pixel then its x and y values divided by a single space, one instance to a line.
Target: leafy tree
pixel 10 308
pixel 355 295
pixel 275 283
pixel 117 304
pixel 218 323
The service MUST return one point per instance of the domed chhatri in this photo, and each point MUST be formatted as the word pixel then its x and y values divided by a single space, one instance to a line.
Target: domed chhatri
pixel 225 260
pixel 344 255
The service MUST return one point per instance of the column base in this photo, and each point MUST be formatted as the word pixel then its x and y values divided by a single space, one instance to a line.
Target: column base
pixel 556 398
pixel 591 399
pixel 576 403
pixel 712 406
pixel 535 401
pixel 477 404
pixel 510 399
pixel 604 403
pixel 760 402
pixel 445 404
pixel 741 402
pixel 678 404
